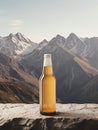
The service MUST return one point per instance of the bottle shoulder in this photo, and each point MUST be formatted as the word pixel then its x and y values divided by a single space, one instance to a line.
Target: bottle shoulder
pixel 42 77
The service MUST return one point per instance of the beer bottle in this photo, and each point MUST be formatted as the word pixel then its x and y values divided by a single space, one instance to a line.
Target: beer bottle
pixel 47 88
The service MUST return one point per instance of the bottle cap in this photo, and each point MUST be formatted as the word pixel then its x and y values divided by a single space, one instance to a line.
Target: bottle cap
pixel 47 55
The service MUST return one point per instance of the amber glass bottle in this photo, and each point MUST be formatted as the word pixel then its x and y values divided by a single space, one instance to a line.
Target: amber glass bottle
pixel 47 87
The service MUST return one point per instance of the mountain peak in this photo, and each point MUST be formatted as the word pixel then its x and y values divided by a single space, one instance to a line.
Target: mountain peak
pixel 11 35
pixel 16 44
pixel 42 44
pixel 22 37
pixel 72 35
pixel 45 41
pixel 59 37
pixel 18 34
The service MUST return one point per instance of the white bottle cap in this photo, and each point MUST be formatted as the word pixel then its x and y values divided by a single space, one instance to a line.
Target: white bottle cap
pixel 47 60
pixel 47 55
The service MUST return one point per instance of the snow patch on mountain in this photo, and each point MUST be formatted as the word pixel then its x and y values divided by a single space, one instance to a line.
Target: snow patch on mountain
pixel 16 44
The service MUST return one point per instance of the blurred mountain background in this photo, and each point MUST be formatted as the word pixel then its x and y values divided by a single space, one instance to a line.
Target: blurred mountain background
pixel 75 65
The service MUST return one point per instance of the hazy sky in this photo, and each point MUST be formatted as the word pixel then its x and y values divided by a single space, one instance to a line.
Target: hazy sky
pixel 43 19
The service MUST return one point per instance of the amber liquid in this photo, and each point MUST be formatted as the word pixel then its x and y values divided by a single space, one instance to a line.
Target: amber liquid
pixel 47 92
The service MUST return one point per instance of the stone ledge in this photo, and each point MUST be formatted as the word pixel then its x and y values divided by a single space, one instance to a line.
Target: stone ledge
pixel 68 117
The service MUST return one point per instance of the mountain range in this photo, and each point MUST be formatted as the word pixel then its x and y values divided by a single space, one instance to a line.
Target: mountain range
pixel 75 66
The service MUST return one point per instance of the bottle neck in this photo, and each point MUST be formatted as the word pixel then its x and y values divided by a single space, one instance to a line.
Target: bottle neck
pixel 47 66
pixel 47 61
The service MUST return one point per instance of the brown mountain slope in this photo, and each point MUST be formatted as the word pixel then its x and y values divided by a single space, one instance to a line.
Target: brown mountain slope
pixel 16 84
pixel 84 64
pixel 18 92
pixel 11 70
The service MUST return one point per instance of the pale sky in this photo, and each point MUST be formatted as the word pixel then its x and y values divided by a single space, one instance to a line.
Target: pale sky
pixel 44 19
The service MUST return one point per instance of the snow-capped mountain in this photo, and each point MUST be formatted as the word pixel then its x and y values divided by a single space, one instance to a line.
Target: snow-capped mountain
pixel 16 44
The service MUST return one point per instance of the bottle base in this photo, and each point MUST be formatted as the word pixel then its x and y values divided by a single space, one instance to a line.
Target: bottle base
pixel 48 113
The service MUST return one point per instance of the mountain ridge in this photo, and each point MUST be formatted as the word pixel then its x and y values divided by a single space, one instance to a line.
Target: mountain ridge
pixel 71 77
pixel 73 64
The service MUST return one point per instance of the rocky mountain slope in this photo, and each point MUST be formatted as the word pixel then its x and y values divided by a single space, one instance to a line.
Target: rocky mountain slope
pixel 18 92
pixel 87 48
pixel 16 84
pixel 84 47
pixel 12 70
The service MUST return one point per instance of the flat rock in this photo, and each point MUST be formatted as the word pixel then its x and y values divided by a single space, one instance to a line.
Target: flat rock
pixel 68 117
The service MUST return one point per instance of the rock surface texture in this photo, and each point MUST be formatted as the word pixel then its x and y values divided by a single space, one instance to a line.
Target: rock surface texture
pixel 68 117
